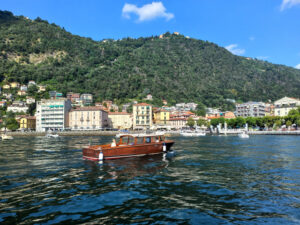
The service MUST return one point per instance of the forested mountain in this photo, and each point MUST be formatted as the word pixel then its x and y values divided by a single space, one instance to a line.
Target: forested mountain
pixel 172 67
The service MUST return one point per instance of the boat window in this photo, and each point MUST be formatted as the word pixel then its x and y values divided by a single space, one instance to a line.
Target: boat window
pixel 131 140
pixel 148 139
pixel 125 140
pixel 156 139
pixel 162 138
pixel 140 140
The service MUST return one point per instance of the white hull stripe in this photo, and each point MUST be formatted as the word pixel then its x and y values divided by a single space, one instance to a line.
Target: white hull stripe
pixel 121 156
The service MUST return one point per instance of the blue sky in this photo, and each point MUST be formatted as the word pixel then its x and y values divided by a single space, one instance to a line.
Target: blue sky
pixel 264 29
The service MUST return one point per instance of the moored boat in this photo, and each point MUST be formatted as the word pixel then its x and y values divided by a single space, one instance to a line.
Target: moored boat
pixel 6 137
pixel 192 133
pixel 129 146
pixel 243 135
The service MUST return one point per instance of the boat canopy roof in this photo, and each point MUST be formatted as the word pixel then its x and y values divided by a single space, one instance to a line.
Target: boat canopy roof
pixel 140 135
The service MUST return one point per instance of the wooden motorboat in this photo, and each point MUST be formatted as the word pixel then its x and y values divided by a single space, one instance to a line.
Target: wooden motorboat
pixel 129 146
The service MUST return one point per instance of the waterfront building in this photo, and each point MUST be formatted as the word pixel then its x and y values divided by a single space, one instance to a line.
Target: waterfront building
pixel 6 86
pixel 73 97
pixel 21 93
pixel 28 122
pixel 8 96
pixel 250 109
pixel 87 99
pixel 52 114
pixel 41 88
pixel 17 108
pixel 186 106
pixel 120 120
pixel 23 88
pixel 142 116
pixel 270 110
pixel 178 123
pixel 149 97
pixel 30 100
pixel 55 95
pixel 161 117
pixel 284 105
pixel 31 83
pixel 125 107
pixel 14 85
pixel 88 118
pixel 226 115
pixel 2 103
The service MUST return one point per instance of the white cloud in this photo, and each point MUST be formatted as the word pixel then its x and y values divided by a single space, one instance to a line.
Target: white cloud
pixel 298 66
pixel 235 50
pixel 251 38
pixel 288 4
pixel 147 12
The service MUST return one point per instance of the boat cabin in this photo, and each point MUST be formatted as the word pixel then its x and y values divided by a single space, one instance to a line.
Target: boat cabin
pixel 139 140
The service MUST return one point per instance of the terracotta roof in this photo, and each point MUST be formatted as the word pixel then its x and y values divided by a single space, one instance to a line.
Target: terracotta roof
pixel 142 104
pixel 88 108
pixel 172 119
pixel 118 113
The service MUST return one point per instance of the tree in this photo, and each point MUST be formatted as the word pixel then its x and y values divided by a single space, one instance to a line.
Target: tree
pixel 190 122
pixel 32 90
pixel 200 110
pixel 10 123
pixel 288 123
pixel 293 112
pixel 201 122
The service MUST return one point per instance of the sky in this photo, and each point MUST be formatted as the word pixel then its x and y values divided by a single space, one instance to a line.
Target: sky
pixel 263 29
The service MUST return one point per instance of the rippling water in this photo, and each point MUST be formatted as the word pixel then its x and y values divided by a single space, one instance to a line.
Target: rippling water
pixel 211 180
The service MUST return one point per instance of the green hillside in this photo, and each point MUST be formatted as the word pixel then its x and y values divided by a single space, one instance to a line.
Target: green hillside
pixel 174 67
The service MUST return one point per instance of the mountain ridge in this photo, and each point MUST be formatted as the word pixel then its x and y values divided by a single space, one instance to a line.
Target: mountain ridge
pixel 171 67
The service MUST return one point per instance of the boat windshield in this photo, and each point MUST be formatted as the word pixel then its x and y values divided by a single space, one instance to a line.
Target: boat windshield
pixel 127 140
pixel 139 140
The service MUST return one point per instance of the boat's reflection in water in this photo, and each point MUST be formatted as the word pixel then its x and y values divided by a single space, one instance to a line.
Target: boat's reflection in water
pixel 129 168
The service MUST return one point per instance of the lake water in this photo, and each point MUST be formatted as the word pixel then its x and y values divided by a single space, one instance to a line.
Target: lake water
pixel 211 180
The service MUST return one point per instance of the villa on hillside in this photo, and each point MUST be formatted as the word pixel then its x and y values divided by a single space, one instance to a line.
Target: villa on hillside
pixel 284 105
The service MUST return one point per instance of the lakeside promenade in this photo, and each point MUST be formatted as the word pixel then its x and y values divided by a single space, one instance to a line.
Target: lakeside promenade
pixel 113 133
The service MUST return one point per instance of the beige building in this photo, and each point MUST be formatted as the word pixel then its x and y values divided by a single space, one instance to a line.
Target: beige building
pixel 178 123
pixel 142 116
pixel 284 105
pixel 161 117
pixel 14 85
pixel 120 120
pixel 28 122
pixel 6 86
pixel 88 118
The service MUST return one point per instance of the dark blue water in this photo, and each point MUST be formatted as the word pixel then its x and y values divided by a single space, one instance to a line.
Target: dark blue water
pixel 211 180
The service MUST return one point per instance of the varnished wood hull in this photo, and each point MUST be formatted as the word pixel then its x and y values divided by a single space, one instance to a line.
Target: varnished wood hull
pixel 92 152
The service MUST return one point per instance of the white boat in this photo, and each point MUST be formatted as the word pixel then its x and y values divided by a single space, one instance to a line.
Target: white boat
pixel 192 133
pixel 6 137
pixel 243 135
pixel 50 134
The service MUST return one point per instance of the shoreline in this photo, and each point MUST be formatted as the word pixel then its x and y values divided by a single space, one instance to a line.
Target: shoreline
pixel 113 133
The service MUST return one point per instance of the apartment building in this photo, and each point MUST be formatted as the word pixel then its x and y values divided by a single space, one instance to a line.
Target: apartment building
pixel 120 120
pixel 250 109
pixel 142 116
pixel 52 114
pixel 284 105
pixel 88 118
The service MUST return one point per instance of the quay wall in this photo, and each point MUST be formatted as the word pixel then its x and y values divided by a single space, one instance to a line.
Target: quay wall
pixel 65 133
pixel 287 132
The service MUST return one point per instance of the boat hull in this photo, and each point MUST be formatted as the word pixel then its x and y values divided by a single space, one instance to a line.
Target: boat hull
pixel 93 152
